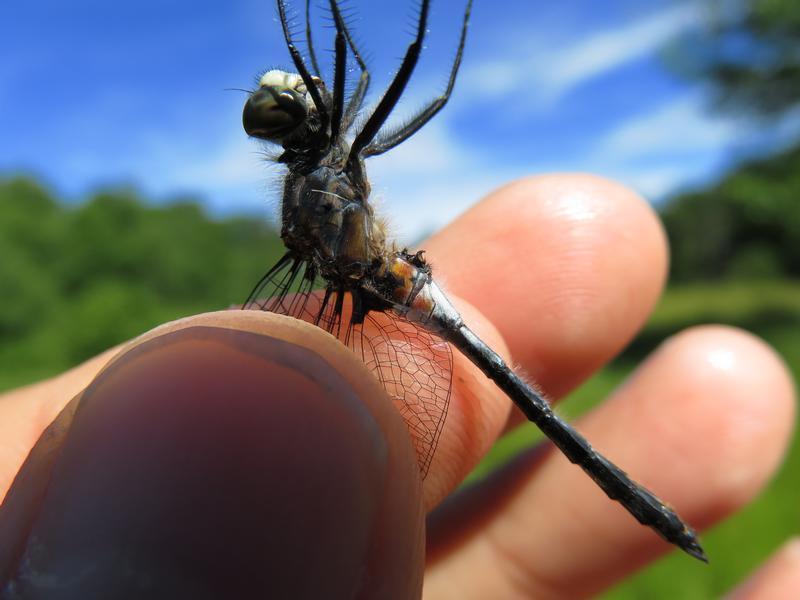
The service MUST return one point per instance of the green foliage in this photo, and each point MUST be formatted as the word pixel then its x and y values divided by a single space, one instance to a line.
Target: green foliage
pixel 745 227
pixel 75 280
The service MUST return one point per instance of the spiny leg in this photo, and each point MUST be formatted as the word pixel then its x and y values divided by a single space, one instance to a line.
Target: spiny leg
pixel 252 298
pixel 336 317
pixel 302 70
pixel 324 306
pixel 387 142
pixel 309 42
pixel 340 123
pixel 305 287
pixel 284 287
pixel 395 89
pixel 340 63
pixel 354 104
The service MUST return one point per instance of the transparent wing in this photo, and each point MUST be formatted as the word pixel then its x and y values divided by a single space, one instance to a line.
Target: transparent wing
pixel 414 365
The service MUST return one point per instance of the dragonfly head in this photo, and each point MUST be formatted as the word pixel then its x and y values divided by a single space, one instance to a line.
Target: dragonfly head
pixel 278 108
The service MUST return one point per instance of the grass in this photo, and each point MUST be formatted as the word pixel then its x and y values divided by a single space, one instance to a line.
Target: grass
pixel 737 546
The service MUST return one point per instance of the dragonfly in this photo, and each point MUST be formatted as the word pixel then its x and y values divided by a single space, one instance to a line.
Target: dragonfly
pixel 341 272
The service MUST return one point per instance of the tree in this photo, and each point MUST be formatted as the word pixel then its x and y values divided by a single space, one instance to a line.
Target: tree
pixel 747 226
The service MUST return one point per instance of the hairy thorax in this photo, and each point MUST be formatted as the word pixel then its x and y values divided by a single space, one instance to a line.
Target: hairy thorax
pixel 327 219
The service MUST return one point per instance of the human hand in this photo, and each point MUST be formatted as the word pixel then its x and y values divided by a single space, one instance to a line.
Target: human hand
pixel 216 469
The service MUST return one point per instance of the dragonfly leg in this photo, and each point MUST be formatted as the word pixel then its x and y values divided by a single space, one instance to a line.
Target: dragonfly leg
pixel 392 139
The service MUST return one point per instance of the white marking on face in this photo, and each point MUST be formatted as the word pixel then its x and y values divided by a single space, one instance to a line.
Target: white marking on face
pixel 281 79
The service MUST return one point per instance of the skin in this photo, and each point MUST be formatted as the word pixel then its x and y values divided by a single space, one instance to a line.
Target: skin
pixel 557 273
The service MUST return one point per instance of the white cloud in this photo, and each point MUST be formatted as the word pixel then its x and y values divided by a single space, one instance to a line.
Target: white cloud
pixel 684 125
pixel 658 182
pixel 683 143
pixel 555 69
pixel 658 151
pixel 609 50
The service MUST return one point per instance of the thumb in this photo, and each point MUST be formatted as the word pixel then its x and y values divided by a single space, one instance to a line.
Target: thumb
pixel 233 454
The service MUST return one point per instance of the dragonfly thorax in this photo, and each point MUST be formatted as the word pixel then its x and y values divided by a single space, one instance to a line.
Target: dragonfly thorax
pixel 327 219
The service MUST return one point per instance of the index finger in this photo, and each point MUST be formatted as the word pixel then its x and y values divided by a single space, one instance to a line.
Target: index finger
pixel 563 269
pixel 566 266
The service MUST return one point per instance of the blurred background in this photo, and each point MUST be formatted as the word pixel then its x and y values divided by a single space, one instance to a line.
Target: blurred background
pixel 129 194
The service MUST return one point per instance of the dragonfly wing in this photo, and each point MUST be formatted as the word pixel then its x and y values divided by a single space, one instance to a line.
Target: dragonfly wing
pixel 413 365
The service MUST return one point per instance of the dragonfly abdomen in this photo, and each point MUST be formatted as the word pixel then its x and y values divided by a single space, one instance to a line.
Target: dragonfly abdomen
pixel 636 499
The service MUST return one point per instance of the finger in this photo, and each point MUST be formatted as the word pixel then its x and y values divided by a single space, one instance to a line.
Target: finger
pixel 703 423
pixel 777 579
pixel 211 460
pixel 562 268
pixel 27 411
pixel 567 267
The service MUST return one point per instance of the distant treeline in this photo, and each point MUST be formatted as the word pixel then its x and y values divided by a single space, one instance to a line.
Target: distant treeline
pixel 77 279
pixel 745 227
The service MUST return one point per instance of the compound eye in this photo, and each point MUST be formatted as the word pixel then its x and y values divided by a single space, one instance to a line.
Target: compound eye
pixel 272 113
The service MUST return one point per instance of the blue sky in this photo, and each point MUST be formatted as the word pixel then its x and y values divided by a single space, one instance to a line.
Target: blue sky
pixel 96 93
